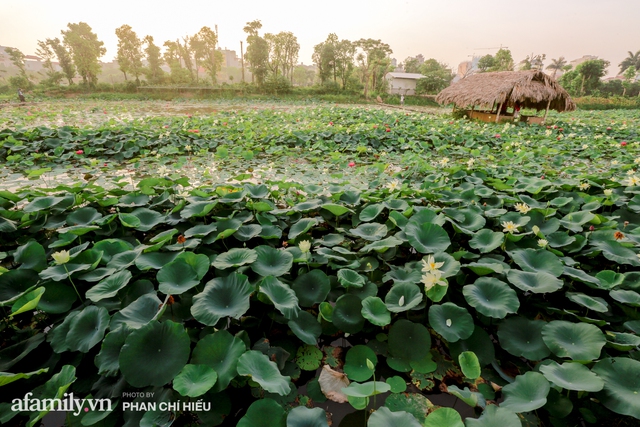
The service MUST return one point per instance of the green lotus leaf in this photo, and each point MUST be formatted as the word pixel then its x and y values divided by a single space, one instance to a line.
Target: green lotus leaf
pixel 55 388
pixel 337 210
pixel 197 209
pixel 596 304
pixel 558 405
pixel 491 297
pixel 27 301
pixel 309 357
pixel 148 218
pixel 83 216
pixel 370 231
pixel 87 328
pixel 49 202
pixel 199 262
pixel 154 260
pixel 311 288
pixel 581 276
pixel 310 204
pixel 15 283
pixel 272 262
pixel 632 325
pixel 451 321
pixel 87 260
pixel 409 340
pixel 370 388
pixel 57 298
pixel 263 413
pixel 220 351
pixel 443 417
pixel 282 296
pixel 301 416
pixel 248 232
pixel 107 360
pixel 224 228
pixel 450 266
pixel 349 278
pixel 621 377
pixel 12 354
pixel 401 275
pixel 200 230
pixel 397 384
pixel 356 366
pixel 235 257
pixel 630 298
pixel 347 314
pixel 154 354
pixel 177 277
pixel 527 393
pixel 622 341
pixel 493 416
pixel 263 371
pixel 479 343
pixel 371 212
pixel 110 286
pixel 375 311
pixel 578 341
pixel 306 327
pixel 485 266
pixel 58 336
pixel 470 364
pixel 383 417
pixel 403 297
pixel 471 398
pixel 222 297
pixel 559 239
pixel 301 227
pixel 523 337
pixel 195 380
pixel 31 256
pixel 128 220
pixel 413 403
pixel 575 220
pixel 609 279
pixel 138 313
pixel 382 245
pixel 538 260
pixel 614 251
pixel 8 378
pixel 571 376
pixel 538 283
pixel 427 238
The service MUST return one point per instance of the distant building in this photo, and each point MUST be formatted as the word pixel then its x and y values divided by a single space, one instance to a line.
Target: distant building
pixel 579 61
pixel 231 58
pixel 402 83
pixel 467 68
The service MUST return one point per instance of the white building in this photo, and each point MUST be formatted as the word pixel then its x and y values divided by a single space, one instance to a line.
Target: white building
pixel 403 83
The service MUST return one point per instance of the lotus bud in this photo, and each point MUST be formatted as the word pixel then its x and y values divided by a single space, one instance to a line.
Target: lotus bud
pixel 370 365
pixel 61 257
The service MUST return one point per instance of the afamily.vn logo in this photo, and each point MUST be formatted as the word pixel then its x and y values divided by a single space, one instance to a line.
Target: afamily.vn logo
pixel 68 403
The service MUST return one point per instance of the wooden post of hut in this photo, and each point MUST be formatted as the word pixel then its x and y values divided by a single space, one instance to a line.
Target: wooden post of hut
pixel 499 111
pixel 544 119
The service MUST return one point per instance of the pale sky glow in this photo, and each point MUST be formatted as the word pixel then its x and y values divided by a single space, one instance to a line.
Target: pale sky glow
pixel 447 30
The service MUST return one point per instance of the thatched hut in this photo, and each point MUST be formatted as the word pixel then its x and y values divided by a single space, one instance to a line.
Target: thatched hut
pixel 493 92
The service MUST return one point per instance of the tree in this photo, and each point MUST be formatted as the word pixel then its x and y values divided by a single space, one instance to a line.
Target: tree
pixel 172 58
pixel 629 76
pixel 437 76
pixel 412 65
pixel 557 65
pixel 533 62
pixel 211 59
pixel 373 58
pixel 45 52
pixel 257 54
pixel 64 59
pixel 633 60
pixel 85 49
pixel 17 58
pixel 486 63
pixel 591 72
pixel 324 56
pixel 503 61
pixel 154 61
pixel 185 52
pixel 291 51
pixel 129 52
pixel 345 50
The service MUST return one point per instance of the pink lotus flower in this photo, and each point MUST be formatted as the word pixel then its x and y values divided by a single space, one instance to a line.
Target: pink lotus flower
pixel 28 113
pixel 193 131
pixel 104 111
pixel 79 152
pixel 189 115
pixel 623 143
pixel 375 126
pixel 608 128
pixel 388 130
pixel 352 164
pixel 497 135
pixel 330 123
pixel 224 124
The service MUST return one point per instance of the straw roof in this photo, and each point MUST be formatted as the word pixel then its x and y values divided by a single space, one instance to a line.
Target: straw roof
pixel 531 89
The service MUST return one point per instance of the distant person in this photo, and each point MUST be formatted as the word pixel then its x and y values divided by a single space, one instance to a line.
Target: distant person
pixel 402 100
pixel 20 95
pixel 516 110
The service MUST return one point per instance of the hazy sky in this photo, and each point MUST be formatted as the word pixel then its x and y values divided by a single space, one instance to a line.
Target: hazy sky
pixel 448 30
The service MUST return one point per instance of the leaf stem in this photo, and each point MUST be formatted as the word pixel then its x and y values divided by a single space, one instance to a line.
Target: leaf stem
pixel 72 284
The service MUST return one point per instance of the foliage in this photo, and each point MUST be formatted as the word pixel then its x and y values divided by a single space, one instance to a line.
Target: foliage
pixel 64 59
pixel 85 49
pixel 210 58
pixel 632 60
pixel 152 71
pixel 585 78
pixel 501 61
pixel 437 77
pixel 129 52
pixel 373 60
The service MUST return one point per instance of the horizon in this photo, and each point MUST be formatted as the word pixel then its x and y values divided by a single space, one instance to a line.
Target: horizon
pixel 436 30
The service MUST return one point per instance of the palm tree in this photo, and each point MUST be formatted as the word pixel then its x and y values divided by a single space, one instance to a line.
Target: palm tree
pixel 556 65
pixel 633 60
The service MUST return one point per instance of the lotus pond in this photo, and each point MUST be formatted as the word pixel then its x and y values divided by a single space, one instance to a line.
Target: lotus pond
pixel 262 260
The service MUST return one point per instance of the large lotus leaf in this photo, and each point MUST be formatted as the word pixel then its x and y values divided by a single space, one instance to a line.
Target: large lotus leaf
pixel 309 357
pixel 491 297
pixel 272 262
pixel 630 298
pixel 302 226
pixel 527 393
pixel 107 360
pixel 83 216
pixel 58 336
pixel 306 327
pixel 301 416
pixel 469 364
pixel 370 231
pixel 578 341
pixel 574 220
pixel 138 313
pixel 124 259
pixel 451 321
pixel 57 298
pixel 148 218
pixel 111 247
pixel 154 354
pixel 409 341
pixel 466 220
pixel 451 267
pixel 312 287
pixel 337 210
pixel 87 328
pixel 177 277
pixel 621 377
pixel 403 275
pixel 110 286
pixel 265 372
pixel 350 279
pixel 197 209
pixel 27 302
pixel 222 297
pixel 443 417
pixel 614 251
pixel 403 297
pixel 8 378
pixel 523 337
pixel 427 238
pixel 154 260
pixel 382 245
pixel 235 257
pixel 571 376
pixel 558 405
pixel 375 311
pixel 31 256
pixel 596 304
pixel 485 266
pixel 15 283
pixel 371 212
pixel 86 260
pixel 363 390
pixel 200 230
pixel 383 417
pixel 414 403
pixel 493 416
pixel 622 341
pixel 479 343
pixel 538 283
pixel 199 262
pixel 55 388
pixel 347 314
pixel 538 260
pixel 263 413
pixel 282 296
pixel 471 398
pixel 221 352
pixel 609 279
pixel 356 366
pixel 195 380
